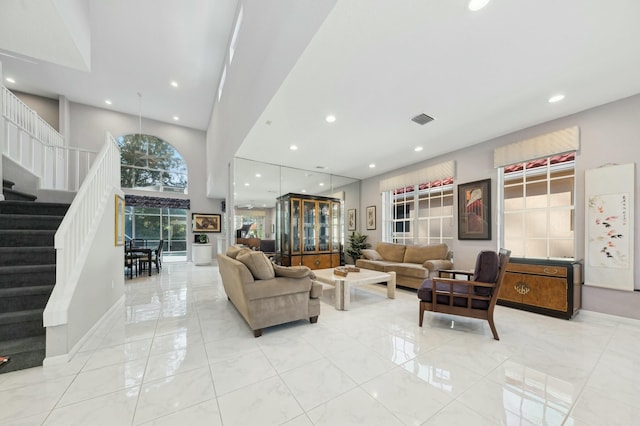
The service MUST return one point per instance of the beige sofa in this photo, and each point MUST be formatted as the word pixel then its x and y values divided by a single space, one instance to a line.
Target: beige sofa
pixel 266 297
pixel 412 263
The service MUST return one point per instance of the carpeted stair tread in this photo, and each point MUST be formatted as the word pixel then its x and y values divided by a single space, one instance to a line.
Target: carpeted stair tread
pixel 18 256
pixel 27 275
pixel 7 183
pixel 24 237
pixel 29 221
pixel 14 195
pixel 30 207
pixel 24 298
pixel 24 353
pixel 25 291
pixel 20 316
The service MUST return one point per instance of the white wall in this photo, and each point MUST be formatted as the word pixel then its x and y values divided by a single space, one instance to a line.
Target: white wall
pixel 100 285
pixel 265 53
pixel 608 134
pixel 89 124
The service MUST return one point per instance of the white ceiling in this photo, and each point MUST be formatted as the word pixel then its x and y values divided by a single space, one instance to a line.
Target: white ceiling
pixel 137 46
pixel 374 64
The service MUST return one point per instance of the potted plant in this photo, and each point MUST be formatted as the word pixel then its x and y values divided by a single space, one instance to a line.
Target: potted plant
pixel 203 239
pixel 357 243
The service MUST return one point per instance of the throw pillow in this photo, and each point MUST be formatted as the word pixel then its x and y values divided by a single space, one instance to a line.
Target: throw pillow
pixel 234 251
pixel 258 263
pixel 371 254
pixel 293 271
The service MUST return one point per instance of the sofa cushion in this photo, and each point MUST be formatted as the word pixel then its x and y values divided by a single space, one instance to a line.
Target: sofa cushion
pixel 371 254
pixel 408 270
pixel 425 294
pixel 420 253
pixel 392 252
pixel 234 251
pixel 374 265
pixel 486 271
pixel 258 263
pixel 293 271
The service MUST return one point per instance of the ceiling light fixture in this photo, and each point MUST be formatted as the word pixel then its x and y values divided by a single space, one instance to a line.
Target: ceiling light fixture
pixel 556 98
pixel 303 191
pixel 258 175
pixel 10 80
pixel 330 118
pixel 174 83
pixel 475 5
pixel 108 102
pixel 176 118
pixel 372 166
pixel 247 184
pixel 321 184
pixel 417 149
pixel 293 147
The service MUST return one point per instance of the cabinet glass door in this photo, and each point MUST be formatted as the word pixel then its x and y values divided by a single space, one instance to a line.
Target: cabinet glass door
pixel 309 226
pixel 323 225
pixel 335 226
pixel 295 226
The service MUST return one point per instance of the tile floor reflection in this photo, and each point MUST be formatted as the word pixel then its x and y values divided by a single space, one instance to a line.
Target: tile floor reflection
pixel 177 352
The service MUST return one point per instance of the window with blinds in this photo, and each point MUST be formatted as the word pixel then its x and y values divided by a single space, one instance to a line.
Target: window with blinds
pixel 421 213
pixel 539 207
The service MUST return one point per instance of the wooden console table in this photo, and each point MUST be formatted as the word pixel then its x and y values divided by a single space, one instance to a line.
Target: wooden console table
pixel 548 287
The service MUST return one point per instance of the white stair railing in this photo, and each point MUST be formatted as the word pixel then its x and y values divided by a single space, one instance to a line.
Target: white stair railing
pixel 79 225
pixel 35 145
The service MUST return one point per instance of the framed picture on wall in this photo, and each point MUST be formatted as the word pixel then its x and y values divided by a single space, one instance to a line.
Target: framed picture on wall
pixel 474 210
pixel 351 220
pixel 371 218
pixel 119 223
pixel 206 222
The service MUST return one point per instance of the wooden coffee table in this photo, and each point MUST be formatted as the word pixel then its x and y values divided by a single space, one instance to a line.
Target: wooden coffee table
pixel 343 284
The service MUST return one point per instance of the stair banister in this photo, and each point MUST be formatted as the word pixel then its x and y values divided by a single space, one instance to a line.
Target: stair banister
pixel 79 225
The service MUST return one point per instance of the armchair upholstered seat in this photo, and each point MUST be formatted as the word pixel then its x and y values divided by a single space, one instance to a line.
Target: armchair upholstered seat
pixel 475 298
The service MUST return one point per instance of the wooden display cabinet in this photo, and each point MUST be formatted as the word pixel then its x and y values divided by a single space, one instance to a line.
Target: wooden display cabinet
pixel 308 230
pixel 549 287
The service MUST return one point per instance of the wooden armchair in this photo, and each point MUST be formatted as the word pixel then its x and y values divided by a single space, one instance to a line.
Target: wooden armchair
pixel 475 298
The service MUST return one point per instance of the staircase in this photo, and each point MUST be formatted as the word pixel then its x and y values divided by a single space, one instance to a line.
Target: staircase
pixel 27 274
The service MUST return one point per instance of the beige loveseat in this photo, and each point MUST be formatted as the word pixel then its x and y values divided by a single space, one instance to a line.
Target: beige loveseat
pixel 267 294
pixel 411 263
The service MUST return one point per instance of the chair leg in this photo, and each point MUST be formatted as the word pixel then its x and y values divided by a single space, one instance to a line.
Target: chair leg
pixel 493 327
pixel 313 320
pixel 257 333
pixel 421 315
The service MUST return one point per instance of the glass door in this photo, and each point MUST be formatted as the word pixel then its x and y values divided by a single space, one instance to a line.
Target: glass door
pixel 295 226
pixel 324 231
pixel 309 226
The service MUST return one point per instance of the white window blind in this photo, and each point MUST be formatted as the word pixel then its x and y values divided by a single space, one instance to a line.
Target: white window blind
pixel 428 174
pixel 546 145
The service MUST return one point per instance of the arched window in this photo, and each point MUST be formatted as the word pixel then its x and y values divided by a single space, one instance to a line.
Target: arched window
pixel 152 164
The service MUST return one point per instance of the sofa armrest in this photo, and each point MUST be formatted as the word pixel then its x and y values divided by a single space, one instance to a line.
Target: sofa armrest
pixel 316 290
pixel 437 264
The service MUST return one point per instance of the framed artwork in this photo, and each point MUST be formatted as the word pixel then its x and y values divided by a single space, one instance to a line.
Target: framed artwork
pixel 474 210
pixel 119 224
pixel 206 222
pixel 371 218
pixel 351 220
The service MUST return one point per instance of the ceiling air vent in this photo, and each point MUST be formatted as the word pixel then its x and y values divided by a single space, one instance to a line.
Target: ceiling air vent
pixel 422 119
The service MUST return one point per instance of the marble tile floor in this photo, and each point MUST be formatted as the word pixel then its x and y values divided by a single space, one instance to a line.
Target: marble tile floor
pixel 176 352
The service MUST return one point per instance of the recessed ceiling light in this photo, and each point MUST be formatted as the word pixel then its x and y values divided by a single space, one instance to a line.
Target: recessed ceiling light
pixel 174 83
pixel 417 149
pixel 258 175
pixel 556 98
pixel 321 184
pixel 176 118
pixel 304 190
pixel 246 184
pixel 372 166
pixel 330 118
pixel 322 167
pixel 108 102
pixel 10 80
pixel 293 147
pixel 477 4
